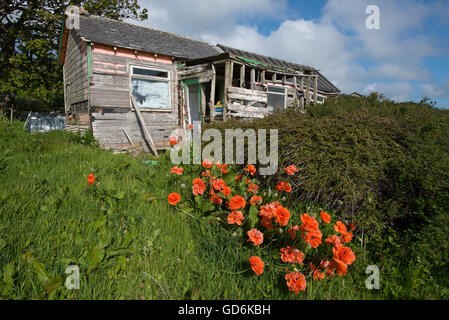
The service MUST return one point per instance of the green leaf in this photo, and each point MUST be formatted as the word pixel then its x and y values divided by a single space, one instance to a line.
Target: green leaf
pixel 120 195
pixel 127 240
pixel 95 256
pixel 52 283
pixel 8 273
pixel 253 216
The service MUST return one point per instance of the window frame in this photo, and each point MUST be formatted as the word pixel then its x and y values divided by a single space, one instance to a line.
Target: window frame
pixel 154 78
pixel 284 94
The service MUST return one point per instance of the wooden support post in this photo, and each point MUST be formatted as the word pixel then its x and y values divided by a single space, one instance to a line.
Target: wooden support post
pixel 242 75
pixel 262 77
pixel 212 95
pixel 227 83
pixel 295 92
pixel 301 86
pixel 145 129
pixel 273 78
pixel 203 103
pixel 253 79
pixel 284 79
pixel 128 137
pixel 315 91
pixel 232 74
pixel 307 90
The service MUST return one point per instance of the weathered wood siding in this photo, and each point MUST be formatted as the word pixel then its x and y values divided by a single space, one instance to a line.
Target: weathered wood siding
pixel 76 75
pixel 110 99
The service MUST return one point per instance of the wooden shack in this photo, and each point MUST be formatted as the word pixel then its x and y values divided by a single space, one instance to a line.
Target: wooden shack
pixel 132 85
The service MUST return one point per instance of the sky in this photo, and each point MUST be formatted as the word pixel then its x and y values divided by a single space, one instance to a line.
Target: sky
pixel 406 58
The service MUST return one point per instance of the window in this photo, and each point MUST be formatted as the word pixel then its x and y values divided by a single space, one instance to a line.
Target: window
pixel 277 97
pixel 151 88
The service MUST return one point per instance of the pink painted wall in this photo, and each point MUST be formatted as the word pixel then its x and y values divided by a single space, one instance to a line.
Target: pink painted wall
pixel 131 54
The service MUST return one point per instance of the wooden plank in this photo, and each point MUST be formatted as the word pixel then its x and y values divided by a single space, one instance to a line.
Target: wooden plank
pixel 242 75
pixel 262 78
pixel 253 78
pixel 241 108
pixel 301 98
pixel 129 139
pixel 186 71
pixel 212 96
pixel 203 103
pixel 227 84
pixel 307 90
pixel 142 121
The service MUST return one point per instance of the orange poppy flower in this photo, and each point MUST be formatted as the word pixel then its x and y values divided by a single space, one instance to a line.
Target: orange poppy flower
pixel 237 202
pixel 268 210
pixel 190 127
pixel 177 170
pixel 290 255
pixel 346 237
pixel 335 240
pixel 340 227
pixel 282 215
pixel 309 223
pixel 219 184
pixel 317 275
pixel 253 188
pixel 325 217
pixel 207 163
pixel 198 186
pixel 223 168
pixel 256 264
pixel 239 178
pixel 283 186
pixel 251 169
pixel 235 217
pixel 90 179
pixel 266 223
pixel 255 236
pixel 206 173
pixel 215 199
pixel 255 200
pixel 313 238
pixel 174 198
pixel 344 254
pixel 339 266
pixel 296 282
pixel 291 170
pixel 173 141
pixel 226 191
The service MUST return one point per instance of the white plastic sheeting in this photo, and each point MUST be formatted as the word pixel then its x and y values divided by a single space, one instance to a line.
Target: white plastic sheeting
pixel 37 122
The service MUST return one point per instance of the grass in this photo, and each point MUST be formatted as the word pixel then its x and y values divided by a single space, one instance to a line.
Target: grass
pixel 125 238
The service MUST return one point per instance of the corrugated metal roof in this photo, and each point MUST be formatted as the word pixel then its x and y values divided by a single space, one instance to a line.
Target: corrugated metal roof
pixel 265 59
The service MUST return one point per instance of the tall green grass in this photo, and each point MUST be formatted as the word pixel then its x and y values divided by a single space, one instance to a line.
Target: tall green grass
pixel 125 238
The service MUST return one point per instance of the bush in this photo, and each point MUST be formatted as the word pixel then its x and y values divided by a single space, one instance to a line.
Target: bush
pixel 382 164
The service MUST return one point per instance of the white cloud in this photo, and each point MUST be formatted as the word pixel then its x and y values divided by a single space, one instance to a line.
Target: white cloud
pixel 192 18
pixel 399 91
pixel 338 43
pixel 436 90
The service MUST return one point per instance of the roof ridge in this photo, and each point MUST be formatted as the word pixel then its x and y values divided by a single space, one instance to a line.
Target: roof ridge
pixel 142 27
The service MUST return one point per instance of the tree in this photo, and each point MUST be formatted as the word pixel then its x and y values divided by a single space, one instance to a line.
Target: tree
pixel 29 39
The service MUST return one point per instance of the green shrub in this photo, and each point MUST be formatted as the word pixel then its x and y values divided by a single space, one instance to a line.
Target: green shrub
pixel 374 161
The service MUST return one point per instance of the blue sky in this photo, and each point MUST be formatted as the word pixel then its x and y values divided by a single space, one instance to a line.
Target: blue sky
pixel 406 59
